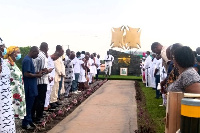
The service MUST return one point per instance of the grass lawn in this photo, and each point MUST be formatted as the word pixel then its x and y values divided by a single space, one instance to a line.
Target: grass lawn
pixel 120 77
pixel 156 112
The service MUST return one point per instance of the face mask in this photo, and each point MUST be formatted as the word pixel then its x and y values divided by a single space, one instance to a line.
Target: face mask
pixel 18 56
pixel 4 52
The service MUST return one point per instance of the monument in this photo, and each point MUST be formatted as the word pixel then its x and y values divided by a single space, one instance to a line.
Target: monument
pixel 125 38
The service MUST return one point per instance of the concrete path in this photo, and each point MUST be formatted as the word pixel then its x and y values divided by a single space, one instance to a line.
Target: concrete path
pixel 111 109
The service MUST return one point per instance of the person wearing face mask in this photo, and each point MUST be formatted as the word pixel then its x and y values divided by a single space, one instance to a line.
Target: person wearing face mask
pixel 16 82
pixel 7 124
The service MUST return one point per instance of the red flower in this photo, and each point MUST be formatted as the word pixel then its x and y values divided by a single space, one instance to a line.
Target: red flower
pixel 11 79
pixel 16 115
pixel 16 96
pixel 20 100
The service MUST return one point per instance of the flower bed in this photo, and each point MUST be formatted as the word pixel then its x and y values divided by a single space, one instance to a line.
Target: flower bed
pixel 67 107
pixel 145 123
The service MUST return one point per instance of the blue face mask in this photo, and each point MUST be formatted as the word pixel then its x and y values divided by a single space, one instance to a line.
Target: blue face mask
pixel 4 52
pixel 18 56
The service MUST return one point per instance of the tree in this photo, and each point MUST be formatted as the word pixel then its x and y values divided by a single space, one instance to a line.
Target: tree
pixel 24 52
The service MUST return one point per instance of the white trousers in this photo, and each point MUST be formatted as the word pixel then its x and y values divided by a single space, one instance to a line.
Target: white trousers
pixel 108 68
pixel 48 95
pixel 90 77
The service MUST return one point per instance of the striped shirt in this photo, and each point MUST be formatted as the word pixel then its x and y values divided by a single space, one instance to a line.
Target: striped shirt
pixel 40 63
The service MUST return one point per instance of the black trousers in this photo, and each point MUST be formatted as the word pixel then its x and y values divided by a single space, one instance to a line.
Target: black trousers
pixel 38 107
pixel 157 77
pixel 97 75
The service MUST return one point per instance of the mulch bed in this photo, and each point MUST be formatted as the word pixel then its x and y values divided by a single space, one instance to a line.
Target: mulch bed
pixel 145 123
pixel 68 106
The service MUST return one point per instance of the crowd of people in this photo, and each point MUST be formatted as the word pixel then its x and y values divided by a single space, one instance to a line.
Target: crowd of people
pixel 44 79
pixel 175 68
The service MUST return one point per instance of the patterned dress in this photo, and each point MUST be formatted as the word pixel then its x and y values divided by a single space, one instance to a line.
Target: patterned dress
pixel 185 79
pixel 69 76
pixel 7 124
pixel 18 93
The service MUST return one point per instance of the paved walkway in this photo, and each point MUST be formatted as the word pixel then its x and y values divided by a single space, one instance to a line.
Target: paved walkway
pixel 111 109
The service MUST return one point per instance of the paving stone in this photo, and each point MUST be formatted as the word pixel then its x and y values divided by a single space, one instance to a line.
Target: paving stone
pixel 111 109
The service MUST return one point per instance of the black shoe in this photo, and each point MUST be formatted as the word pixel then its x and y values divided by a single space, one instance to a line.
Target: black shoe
pixel 32 125
pixel 60 99
pixel 58 103
pixel 38 121
pixel 28 127
pixel 53 105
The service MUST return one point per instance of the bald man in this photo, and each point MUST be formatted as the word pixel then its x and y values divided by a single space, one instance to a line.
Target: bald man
pixel 40 64
pixel 159 49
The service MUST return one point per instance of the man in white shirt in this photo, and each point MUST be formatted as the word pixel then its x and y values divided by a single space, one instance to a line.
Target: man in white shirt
pixel 77 69
pixel 98 66
pixel 147 68
pixel 157 74
pixel 159 49
pixel 93 68
pixel 40 63
pixel 152 69
pixel 108 63
pixel 51 76
pixel 58 74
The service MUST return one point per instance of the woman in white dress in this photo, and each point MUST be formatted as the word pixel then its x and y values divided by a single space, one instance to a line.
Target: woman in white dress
pixel 7 124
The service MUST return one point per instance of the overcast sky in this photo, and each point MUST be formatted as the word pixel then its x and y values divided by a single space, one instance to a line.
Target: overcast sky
pixel 86 24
